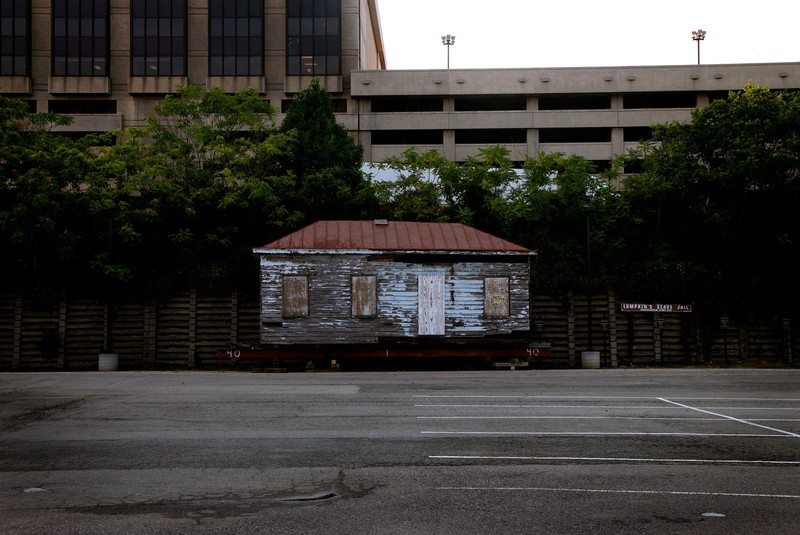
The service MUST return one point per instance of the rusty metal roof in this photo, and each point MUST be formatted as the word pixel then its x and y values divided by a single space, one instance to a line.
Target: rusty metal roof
pixel 382 235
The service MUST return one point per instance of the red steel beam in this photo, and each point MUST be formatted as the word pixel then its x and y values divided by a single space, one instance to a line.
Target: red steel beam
pixel 384 352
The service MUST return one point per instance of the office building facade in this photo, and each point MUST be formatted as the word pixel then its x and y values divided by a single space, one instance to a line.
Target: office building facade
pixel 109 62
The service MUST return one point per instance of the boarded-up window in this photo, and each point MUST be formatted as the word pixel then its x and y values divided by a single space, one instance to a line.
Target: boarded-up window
pixel 295 297
pixel 495 298
pixel 364 297
pixel 431 305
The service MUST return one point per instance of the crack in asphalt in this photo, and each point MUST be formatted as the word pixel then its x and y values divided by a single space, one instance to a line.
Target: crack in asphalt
pixel 30 417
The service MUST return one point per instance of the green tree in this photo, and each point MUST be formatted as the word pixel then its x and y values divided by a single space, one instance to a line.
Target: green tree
pixel 547 210
pixel 541 206
pixel 182 201
pixel 324 158
pixel 719 203
pixel 40 187
pixel 413 190
pixel 428 187
pixel 477 191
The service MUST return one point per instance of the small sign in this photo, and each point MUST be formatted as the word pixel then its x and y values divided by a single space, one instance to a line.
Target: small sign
pixel 640 307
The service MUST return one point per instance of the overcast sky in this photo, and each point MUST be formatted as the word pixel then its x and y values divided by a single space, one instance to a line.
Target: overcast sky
pixel 583 33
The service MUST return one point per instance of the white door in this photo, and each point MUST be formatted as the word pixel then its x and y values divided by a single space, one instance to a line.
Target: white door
pixel 431 305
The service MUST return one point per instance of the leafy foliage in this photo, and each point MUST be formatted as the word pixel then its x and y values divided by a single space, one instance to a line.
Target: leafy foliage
pixel 182 200
pixel 179 202
pixel 40 182
pixel 542 207
pixel 550 210
pixel 324 158
pixel 719 202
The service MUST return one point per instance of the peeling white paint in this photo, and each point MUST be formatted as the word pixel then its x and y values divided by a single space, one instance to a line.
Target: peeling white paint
pixel 329 287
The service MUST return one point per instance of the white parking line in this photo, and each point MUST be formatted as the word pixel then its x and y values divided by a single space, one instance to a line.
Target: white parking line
pixel 492 396
pixel 746 422
pixel 666 418
pixel 605 459
pixel 617 407
pixel 602 434
pixel 494 406
pixel 623 491
pixel 657 418
pixel 505 396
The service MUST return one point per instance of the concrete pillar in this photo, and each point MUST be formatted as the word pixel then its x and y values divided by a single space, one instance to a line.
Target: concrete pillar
pixel 617 140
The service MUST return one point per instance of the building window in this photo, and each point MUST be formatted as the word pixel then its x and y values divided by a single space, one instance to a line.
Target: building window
pixel 15 37
pixel 79 106
pixel 407 137
pixel 313 40
pixel 634 101
pixel 496 297
pixel 407 104
pixel 634 134
pixel 364 297
pixel 491 103
pixel 235 37
pixel 295 297
pixel 158 37
pixel 492 136
pixel 80 38
pixel 574 102
pixel 575 135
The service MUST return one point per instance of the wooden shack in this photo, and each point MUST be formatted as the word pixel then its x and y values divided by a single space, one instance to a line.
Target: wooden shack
pixel 377 286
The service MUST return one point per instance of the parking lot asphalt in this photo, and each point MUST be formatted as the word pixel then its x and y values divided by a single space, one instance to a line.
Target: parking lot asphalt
pixel 557 451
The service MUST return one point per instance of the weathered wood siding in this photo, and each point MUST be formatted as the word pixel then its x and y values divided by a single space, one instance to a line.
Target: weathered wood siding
pixel 495 299
pixel 330 317
pixel 431 317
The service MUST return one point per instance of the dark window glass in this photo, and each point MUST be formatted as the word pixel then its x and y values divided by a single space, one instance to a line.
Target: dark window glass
pixel 637 133
pixel 407 104
pixel 574 102
pixel 491 136
pixel 235 37
pixel 491 103
pixel 80 45
pixel 575 135
pixel 15 16
pixel 659 100
pixel 407 137
pixel 76 106
pixel 313 42
pixel 158 37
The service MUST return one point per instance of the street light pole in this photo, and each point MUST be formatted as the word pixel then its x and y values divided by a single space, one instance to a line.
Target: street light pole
pixel 698 36
pixel 589 211
pixel 448 40
pixel 589 358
